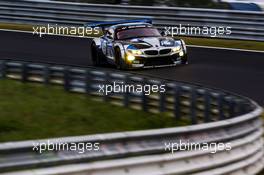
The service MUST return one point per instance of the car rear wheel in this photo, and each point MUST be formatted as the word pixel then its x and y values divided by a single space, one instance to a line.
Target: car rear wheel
pixel 96 56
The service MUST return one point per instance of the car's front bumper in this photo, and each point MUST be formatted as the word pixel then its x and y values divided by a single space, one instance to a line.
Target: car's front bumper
pixel 150 62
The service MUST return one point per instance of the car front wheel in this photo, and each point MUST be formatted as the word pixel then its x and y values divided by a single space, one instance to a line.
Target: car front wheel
pixel 120 63
pixel 184 59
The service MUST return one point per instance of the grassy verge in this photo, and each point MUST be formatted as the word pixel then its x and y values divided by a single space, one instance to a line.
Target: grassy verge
pixel 21 27
pixel 33 111
pixel 250 45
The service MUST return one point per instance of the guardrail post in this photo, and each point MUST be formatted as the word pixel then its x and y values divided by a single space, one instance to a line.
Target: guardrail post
pixel 46 75
pixel 24 72
pixel 126 94
pixel 231 109
pixel 242 107
pixel 88 80
pixel 193 106
pixel 144 98
pixel 177 102
pixel 207 106
pixel 66 79
pixel 107 82
pixel 220 101
pixel 162 100
pixel 3 68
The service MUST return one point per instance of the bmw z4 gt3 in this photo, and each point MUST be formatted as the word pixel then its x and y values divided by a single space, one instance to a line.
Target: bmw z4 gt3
pixel 136 44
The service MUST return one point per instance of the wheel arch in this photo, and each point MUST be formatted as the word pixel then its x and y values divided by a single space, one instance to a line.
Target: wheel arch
pixel 121 48
pixel 96 41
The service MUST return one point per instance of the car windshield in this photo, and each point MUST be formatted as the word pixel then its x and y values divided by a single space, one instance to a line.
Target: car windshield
pixel 137 32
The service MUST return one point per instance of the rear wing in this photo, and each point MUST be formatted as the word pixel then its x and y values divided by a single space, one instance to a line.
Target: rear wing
pixel 104 25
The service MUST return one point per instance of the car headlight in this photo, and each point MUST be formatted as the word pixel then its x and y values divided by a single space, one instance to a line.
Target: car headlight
pixel 181 53
pixel 130 57
pixel 135 52
pixel 176 49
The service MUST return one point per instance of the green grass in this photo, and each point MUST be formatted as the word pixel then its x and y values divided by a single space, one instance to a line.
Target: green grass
pixel 250 45
pixel 34 111
pixel 22 27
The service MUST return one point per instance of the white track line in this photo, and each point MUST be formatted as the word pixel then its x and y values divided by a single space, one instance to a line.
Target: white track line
pixel 208 47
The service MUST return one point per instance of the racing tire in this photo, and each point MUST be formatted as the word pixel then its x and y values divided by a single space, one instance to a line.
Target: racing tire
pixel 184 60
pixel 120 63
pixel 97 58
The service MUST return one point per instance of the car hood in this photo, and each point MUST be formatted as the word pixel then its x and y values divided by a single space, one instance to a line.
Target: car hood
pixel 148 42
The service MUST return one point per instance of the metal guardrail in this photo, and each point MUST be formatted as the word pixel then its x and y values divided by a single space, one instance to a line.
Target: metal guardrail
pixel 180 100
pixel 245 25
pixel 221 117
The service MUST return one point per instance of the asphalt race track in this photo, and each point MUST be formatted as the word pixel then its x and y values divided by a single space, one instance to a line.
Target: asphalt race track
pixel 237 71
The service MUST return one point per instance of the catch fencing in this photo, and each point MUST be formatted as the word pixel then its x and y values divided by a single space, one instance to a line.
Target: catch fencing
pixel 244 25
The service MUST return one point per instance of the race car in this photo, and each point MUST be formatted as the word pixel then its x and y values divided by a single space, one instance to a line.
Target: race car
pixel 132 44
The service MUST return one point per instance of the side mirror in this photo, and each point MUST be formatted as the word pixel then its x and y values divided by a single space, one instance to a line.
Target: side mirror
pixel 108 35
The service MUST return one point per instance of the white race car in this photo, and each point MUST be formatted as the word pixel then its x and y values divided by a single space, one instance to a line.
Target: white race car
pixel 136 44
